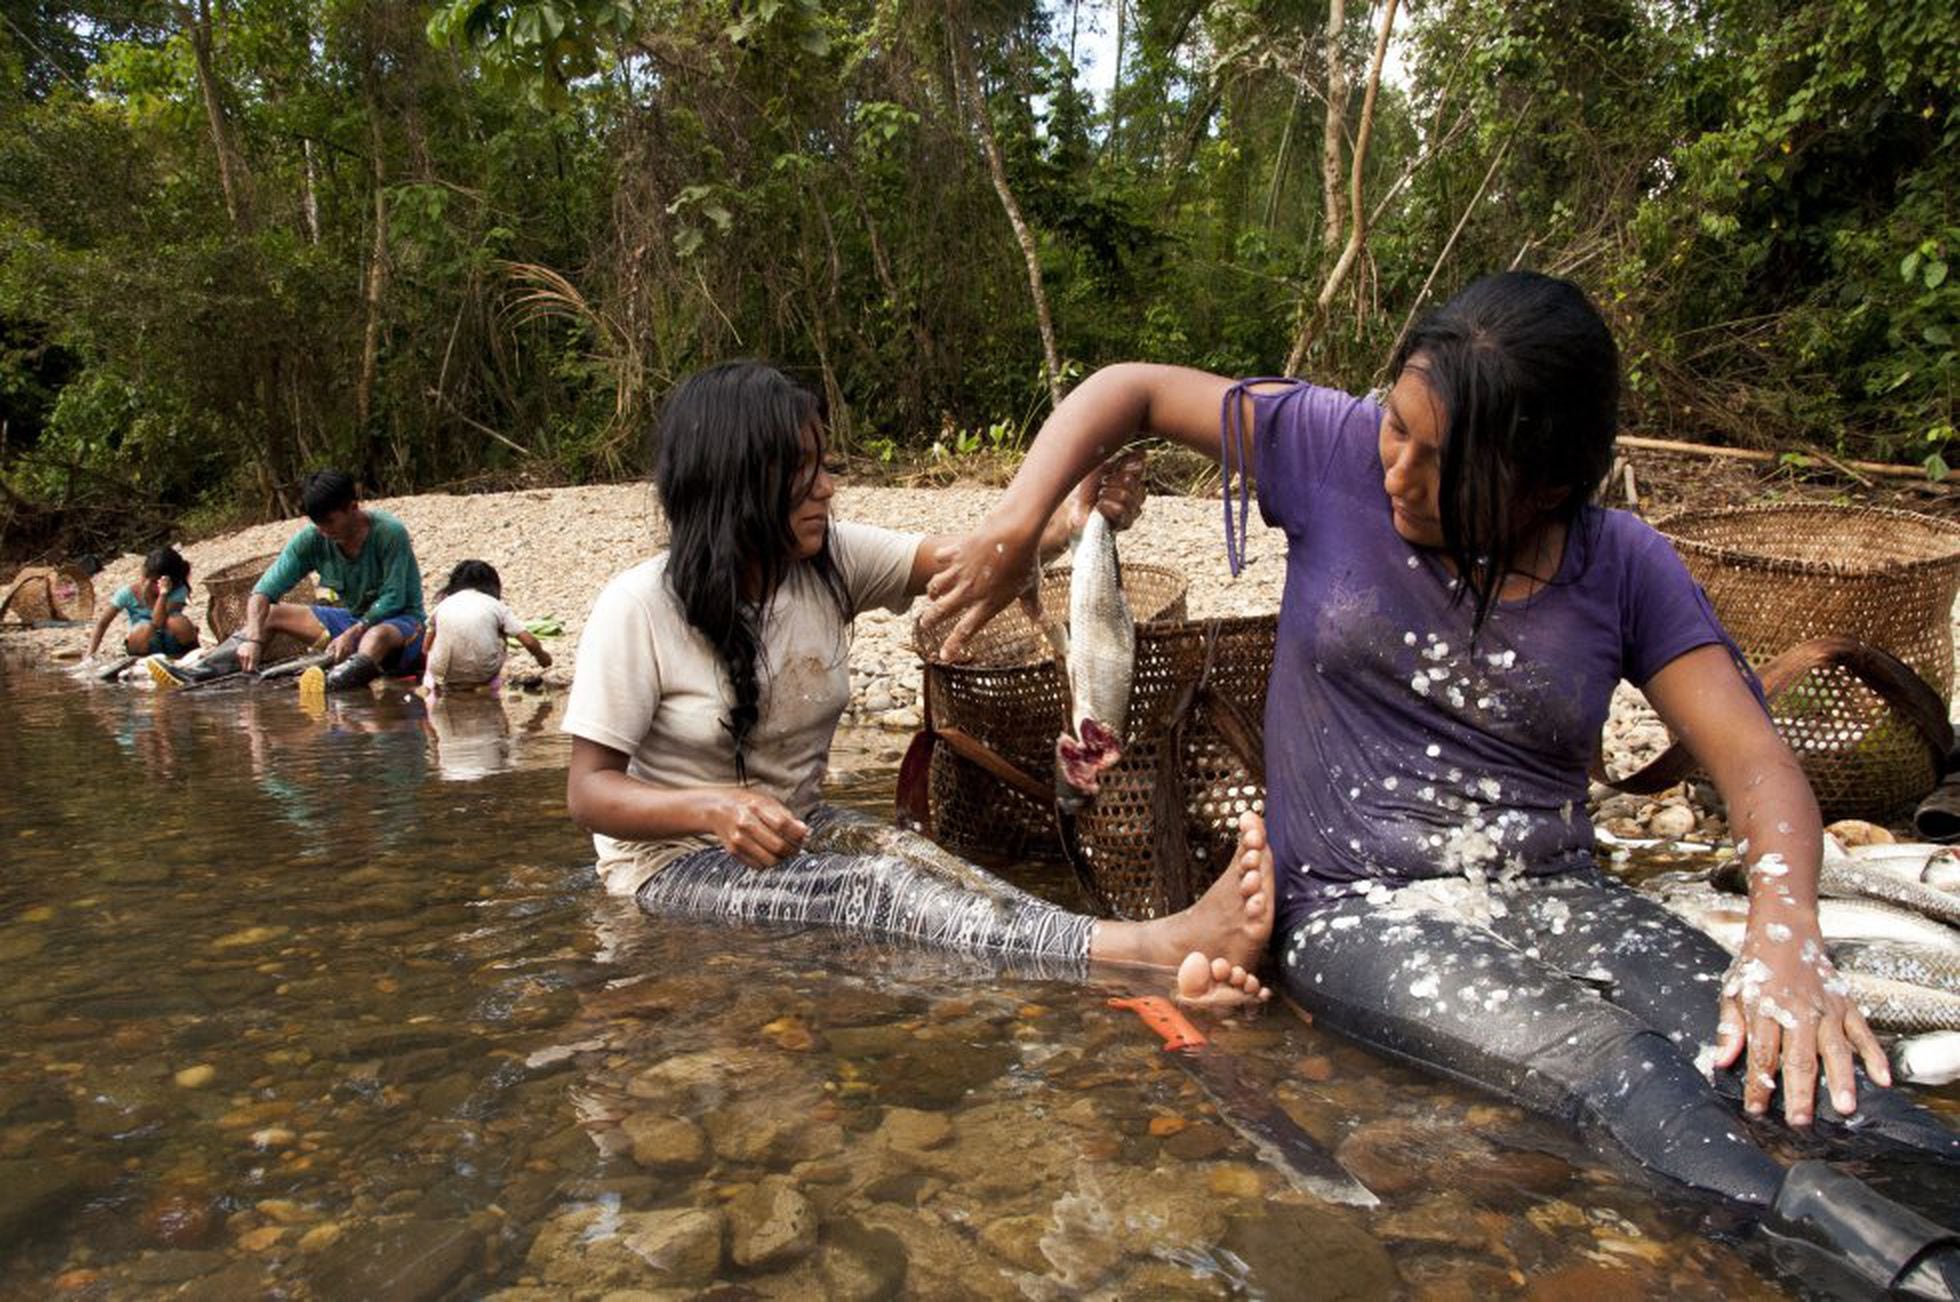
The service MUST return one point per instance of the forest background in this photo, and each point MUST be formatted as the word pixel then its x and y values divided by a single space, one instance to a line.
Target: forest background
pixel 472 243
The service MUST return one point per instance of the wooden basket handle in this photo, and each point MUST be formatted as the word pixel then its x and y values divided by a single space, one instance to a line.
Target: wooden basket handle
pixel 1893 680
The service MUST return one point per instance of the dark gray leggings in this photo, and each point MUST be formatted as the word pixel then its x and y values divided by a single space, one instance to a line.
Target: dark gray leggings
pixel 858 874
pixel 1576 997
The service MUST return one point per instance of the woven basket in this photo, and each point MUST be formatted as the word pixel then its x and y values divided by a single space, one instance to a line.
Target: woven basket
pixel 1010 697
pixel 1165 820
pixel 227 591
pixel 45 592
pixel 1783 574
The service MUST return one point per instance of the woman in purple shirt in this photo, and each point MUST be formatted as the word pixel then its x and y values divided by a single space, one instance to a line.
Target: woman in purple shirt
pixel 1456 616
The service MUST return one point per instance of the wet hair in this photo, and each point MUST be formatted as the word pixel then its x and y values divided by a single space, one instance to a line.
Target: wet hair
pixel 477 576
pixel 1528 379
pixel 729 464
pixel 325 491
pixel 167 563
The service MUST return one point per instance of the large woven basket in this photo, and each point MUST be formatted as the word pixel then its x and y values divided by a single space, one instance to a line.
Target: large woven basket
pixel 1010 697
pixel 1783 574
pixel 227 591
pixel 48 592
pixel 1165 821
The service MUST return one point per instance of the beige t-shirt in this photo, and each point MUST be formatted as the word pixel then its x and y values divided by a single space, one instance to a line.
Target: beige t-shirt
pixel 470 631
pixel 650 686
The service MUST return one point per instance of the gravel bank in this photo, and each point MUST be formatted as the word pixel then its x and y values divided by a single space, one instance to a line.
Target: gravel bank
pixel 556 548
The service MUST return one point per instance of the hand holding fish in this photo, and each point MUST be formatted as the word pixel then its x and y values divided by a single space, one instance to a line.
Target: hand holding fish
pixel 982 572
pixel 1784 1001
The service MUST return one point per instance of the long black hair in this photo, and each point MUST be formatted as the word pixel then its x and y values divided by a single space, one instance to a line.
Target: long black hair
pixel 478 576
pixel 730 466
pixel 1528 379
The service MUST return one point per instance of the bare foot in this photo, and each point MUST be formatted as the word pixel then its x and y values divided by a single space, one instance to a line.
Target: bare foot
pixel 1214 983
pixel 1231 922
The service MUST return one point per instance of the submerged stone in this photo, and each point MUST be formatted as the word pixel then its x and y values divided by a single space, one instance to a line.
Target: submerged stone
pixel 771 1224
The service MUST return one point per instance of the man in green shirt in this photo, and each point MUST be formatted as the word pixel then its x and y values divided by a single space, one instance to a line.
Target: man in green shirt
pixel 366 558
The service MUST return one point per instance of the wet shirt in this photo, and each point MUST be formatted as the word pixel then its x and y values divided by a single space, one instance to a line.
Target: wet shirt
pixel 139 610
pixel 650 686
pixel 380 583
pixel 470 630
pixel 1395 748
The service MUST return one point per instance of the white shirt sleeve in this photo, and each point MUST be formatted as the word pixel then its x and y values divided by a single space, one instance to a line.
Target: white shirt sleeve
pixel 616 686
pixel 507 621
pixel 875 563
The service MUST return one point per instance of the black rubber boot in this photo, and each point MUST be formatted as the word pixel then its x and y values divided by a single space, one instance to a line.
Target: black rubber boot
pixel 221 659
pixel 1840 1235
pixel 357 670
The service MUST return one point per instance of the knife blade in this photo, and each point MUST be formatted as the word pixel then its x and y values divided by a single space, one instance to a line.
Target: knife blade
pixel 1277 1137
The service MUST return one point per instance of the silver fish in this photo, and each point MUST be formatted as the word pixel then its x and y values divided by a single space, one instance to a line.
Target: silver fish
pixel 1723 916
pixel 1853 879
pixel 1101 657
pixel 1930 1059
pixel 1919 965
pixel 1896 1006
pixel 1937 866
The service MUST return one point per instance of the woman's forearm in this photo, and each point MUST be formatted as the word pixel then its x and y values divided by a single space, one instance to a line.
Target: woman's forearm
pixel 616 804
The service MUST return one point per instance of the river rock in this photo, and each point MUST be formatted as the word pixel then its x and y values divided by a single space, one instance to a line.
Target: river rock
pixel 1283 1244
pixel 34 1196
pixel 1671 822
pixel 1590 1282
pixel 157 1269
pixel 861 1264
pixel 183 1216
pixel 408 1260
pixel 1199 1142
pixel 771 1224
pixel 666 1143
pixel 754 1131
pixel 911 1130
pixel 681 1246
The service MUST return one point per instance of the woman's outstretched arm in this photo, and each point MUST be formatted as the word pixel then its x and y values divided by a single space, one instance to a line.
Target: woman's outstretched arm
pixel 603 797
pixel 1783 1001
pixel 990 567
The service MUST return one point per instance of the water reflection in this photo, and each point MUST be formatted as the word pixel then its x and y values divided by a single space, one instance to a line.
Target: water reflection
pixel 328 1005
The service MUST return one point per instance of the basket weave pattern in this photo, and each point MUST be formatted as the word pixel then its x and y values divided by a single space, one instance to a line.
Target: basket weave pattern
pixel 1133 862
pixel 44 592
pixel 227 591
pixel 1782 574
pixel 1011 696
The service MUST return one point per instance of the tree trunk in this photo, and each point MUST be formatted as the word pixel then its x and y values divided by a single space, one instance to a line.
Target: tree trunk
pixel 375 284
pixel 1330 135
pixel 984 124
pixel 234 178
pixel 1357 214
pixel 1116 88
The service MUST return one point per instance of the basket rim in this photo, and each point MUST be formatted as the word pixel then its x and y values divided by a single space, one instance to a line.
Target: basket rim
pixel 237 569
pixel 1749 558
pixel 1054 572
pixel 1152 628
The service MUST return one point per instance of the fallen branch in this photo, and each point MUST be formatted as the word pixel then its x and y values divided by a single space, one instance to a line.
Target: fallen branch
pixel 1751 454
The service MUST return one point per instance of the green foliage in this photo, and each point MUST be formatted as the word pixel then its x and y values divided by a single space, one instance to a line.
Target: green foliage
pixel 579 201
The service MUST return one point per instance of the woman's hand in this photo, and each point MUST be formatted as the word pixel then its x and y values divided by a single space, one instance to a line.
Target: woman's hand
pixel 975 576
pixel 1786 1004
pixel 756 828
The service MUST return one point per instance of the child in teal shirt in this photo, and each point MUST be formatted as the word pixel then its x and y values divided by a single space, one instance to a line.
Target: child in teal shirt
pixel 155 605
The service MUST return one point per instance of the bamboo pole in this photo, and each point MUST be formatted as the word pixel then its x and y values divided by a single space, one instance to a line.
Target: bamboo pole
pixel 1751 454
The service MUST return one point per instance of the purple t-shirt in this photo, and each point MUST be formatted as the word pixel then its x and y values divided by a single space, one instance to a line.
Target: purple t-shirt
pixel 1396 750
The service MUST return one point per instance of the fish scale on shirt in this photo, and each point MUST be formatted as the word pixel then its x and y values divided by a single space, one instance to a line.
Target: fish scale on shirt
pixel 1396 748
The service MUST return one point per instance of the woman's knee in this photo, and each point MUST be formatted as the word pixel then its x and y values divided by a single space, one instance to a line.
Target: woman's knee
pixel 137 640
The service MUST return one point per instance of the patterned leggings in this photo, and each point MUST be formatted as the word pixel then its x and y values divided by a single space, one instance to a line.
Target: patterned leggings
pixel 857 874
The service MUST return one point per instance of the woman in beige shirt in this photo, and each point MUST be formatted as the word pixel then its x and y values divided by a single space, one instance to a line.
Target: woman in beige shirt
pixel 710 681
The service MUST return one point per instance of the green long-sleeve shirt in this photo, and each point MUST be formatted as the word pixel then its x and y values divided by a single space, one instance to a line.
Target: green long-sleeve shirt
pixel 380 583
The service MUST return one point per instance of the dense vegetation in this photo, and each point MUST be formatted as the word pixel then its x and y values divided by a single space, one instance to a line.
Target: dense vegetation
pixel 474 241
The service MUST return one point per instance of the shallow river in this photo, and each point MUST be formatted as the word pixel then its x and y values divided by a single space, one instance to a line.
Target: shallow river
pixel 326 1005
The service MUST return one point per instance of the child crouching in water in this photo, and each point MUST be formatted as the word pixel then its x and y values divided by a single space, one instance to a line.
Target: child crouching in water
pixel 155 606
pixel 467 628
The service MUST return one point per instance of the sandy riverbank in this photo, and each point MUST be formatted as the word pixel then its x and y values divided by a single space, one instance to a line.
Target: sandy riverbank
pixel 555 549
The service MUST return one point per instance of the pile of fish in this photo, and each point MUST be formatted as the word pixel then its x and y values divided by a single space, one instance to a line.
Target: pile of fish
pixel 1890 915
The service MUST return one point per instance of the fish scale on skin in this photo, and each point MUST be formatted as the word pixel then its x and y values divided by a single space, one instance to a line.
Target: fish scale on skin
pixel 1101 662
